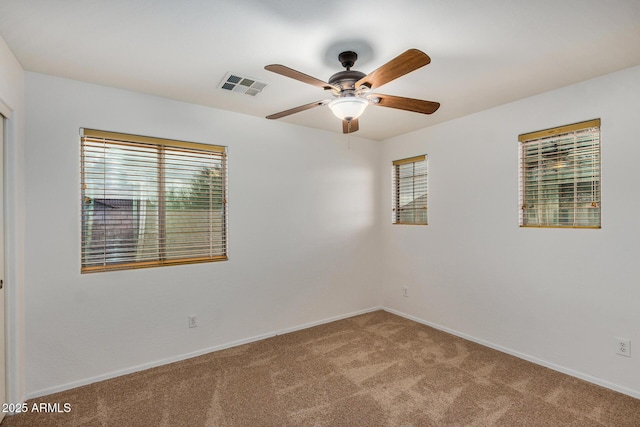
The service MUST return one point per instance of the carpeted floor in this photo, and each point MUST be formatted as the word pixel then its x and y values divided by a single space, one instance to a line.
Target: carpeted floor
pixel 376 369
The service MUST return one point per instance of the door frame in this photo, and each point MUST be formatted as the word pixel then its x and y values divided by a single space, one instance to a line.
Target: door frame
pixel 13 381
pixel 3 307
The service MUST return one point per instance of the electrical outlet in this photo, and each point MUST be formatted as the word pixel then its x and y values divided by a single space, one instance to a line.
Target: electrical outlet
pixel 405 291
pixel 193 321
pixel 623 347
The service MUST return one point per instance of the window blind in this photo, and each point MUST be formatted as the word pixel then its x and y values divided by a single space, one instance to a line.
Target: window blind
pixel 560 177
pixel 410 191
pixel 150 202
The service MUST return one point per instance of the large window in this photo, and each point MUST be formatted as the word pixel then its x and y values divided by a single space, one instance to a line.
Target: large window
pixel 560 176
pixel 410 191
pixel 150 202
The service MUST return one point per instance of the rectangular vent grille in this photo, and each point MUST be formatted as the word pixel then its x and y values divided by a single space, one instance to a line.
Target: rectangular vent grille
pixel 236 83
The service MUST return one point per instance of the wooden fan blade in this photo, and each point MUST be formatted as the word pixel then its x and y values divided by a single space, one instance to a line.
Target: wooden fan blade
pixel 399 66
pixel 350 127
pixel 296 110
pixel 297 75
pixel 408 104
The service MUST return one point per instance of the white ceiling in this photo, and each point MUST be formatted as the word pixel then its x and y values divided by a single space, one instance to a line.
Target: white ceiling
pixel 483 53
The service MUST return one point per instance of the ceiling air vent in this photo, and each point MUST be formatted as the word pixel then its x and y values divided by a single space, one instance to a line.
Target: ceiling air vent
pixel 241 84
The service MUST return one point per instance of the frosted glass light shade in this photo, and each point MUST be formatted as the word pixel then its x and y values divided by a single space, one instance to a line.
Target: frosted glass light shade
pixel 348 108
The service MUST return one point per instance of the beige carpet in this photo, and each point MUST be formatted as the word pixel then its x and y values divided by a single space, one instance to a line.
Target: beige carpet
pixel 377 369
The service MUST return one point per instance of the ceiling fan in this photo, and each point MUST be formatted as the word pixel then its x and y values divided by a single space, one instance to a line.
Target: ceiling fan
pixel 351 89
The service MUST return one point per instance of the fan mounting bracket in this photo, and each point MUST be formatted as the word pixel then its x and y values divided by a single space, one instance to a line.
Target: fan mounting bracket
pixel 348 59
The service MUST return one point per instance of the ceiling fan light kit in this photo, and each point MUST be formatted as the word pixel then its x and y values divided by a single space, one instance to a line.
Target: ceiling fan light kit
pixel 351 88
pixel 348 108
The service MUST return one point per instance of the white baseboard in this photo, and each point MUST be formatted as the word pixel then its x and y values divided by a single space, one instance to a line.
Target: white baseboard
pixel 562 369
pixel 166 361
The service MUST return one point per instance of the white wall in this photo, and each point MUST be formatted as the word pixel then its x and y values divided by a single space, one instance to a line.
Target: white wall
pixel 12 96
pixel 306 214
pixel 556 296
pixel 302 237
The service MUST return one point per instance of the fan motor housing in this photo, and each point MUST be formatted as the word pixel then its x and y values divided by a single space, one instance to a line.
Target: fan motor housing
pixel 347 79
